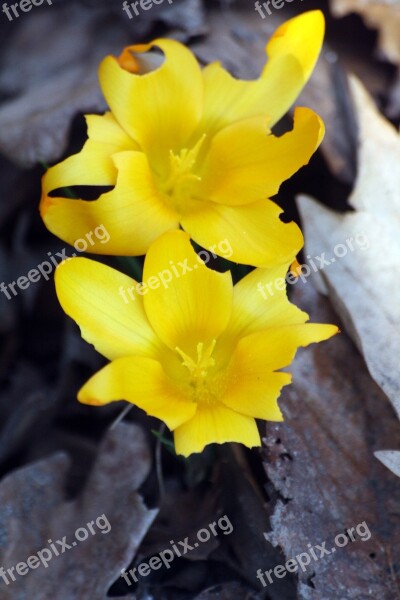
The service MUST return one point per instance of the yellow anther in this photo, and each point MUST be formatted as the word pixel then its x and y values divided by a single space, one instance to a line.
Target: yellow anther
pixel 204 361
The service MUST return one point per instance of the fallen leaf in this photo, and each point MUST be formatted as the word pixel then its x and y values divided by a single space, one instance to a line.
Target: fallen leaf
pixel 361 283
pixel 34 511
pixel 249 509
pixel 54 81
pixel 320 462
pixel 383 15
pixel 49 69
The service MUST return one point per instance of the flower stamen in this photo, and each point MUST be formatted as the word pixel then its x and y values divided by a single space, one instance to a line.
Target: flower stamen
pixel 180 178
pixel 198 369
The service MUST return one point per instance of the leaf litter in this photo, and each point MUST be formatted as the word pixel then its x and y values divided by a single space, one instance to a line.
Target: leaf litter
pixel 62 465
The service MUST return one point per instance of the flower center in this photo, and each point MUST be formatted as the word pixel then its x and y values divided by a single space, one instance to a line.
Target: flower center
pixel 181 179
pixel 202 388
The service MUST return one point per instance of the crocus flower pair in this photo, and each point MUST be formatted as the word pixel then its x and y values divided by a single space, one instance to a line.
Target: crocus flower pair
pixel 191 148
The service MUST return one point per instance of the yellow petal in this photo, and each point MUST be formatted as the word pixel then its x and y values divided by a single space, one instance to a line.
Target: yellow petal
pixel 190 303
pixel 275 348
pixel 224 97
pixel 292 53
pixel 98 299
pixel 245 164
pixel 133 213
pixel 255 232
pixel 260 302
pixel 215 424
pixel 253 388
pixel 160 108
pixel 93 165
pixel 142 382
pixel 253 391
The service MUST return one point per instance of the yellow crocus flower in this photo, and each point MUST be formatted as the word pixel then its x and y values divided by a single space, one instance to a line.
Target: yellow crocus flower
pixel 189 147
pixel 200 354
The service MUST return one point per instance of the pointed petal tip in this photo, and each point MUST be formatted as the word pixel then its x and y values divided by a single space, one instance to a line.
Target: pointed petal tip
pixel 303 113
pixel 327 331
pixel 313 19
pixel 88 400
pixel 313 16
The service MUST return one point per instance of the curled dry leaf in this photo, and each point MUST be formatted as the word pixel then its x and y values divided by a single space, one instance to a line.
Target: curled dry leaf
pixel 383 15
pixel 320 462
pixel 361 283
pixel 34 511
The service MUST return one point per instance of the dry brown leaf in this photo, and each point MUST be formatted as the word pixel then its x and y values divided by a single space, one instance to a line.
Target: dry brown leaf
pixel 320 461
pixel 362 284
pixel 34 510
pixel 54 80
pixel 51 64
pixel 383 15
pixel 249 511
